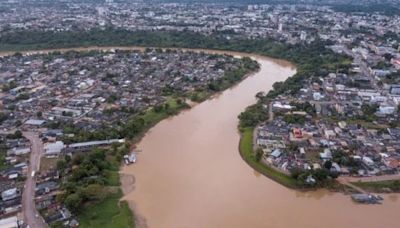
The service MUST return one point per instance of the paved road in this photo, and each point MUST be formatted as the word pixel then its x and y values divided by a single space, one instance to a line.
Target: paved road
pixel 28 206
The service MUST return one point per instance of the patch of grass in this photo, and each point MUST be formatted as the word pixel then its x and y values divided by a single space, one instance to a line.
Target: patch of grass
pixel 199 96
pixel 109 213
pixel 48 163
pixel 380 186
pixel 246 151
pixel 152 117
pixel 113 178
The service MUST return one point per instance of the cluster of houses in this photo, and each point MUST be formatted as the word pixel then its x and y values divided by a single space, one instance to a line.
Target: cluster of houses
pixel 48 181
pixel 13 172
pixel 94 89
pixel 51 210
pixel 41 90
pixel 351 119
pixel 288 22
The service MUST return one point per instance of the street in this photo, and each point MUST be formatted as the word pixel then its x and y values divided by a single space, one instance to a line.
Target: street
pixel 28 205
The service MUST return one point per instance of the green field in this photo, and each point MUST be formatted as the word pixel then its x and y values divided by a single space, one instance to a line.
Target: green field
pixel 109 213
pixel 246 151
pixel 151 117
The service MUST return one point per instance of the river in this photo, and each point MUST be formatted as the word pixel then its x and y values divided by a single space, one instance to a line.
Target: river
pixel 190 174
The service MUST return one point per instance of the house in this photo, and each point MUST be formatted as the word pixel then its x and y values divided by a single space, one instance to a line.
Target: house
pixel 367 161
pixel 392 163
pixel 335 167
pixel 53 149
pixel 276 153
pixel 85 146
pixel 10 205
pixel 326 155
pixel 18 151
pixel 46 187
pixel 329 133
pixel 34 122
pixel 386 110
pixel 395 89
pixel 9 194
pixel 317 96
pixel 297 133
pixel 11 222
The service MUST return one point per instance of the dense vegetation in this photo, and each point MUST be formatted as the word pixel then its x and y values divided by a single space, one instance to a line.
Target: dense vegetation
pixel 253 115
pixel 90 187
pixel 88 174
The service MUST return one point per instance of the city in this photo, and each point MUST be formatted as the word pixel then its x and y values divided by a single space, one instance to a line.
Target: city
pixel 88 90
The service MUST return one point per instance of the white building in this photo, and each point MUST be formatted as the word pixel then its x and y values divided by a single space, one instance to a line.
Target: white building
pixel 53 149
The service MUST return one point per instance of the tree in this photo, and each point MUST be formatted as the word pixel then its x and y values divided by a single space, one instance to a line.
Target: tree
pixel 260 95
pixel 321 174
pixel 296 172
pixel 259 154
pixel 334 174
pixel 61 165
pixel 158 108
pixel 17 135
pixel 94 192
pixel 3 117
pixel 369 109
pixel 166 106
pixel 67 158
pixel 253 115
pixel 73 202
pixel 328 165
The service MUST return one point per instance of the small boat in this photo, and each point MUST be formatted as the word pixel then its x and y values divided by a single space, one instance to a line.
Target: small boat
pixel 367 198
pixel 130 159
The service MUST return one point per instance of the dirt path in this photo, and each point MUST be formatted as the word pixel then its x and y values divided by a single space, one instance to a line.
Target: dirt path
pixel 31 215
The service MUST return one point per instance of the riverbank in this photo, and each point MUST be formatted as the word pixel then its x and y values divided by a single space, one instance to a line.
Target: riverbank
pixel 112 207
pixel 246 150
pixel 249 156
pixel 387 186
pixel 112 211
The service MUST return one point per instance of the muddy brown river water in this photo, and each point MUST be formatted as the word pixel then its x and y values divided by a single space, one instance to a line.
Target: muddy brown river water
pixel 190 174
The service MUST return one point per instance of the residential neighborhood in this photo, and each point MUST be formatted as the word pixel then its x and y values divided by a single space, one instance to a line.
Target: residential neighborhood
pixel 49 100
pixel 348 118
pixel 83 82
